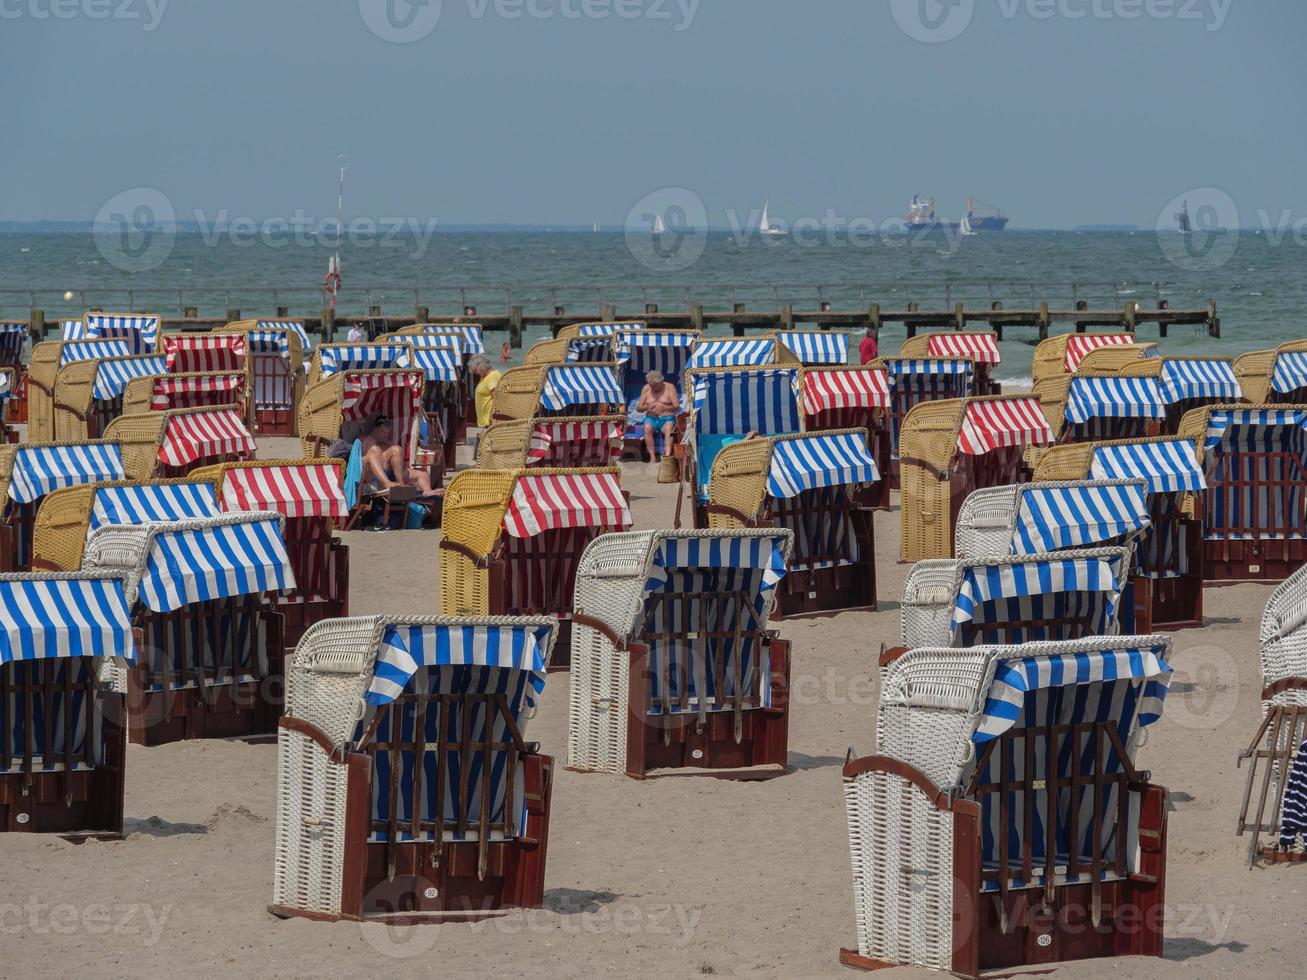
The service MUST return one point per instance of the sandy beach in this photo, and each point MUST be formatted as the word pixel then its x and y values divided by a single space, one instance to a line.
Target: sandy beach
pixel 680 876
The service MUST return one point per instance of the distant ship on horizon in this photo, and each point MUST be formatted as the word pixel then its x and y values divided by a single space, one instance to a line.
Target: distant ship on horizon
pixel 980 217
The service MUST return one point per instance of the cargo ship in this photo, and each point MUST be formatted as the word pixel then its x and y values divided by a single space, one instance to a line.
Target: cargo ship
pixel 983 217
pixel 980 217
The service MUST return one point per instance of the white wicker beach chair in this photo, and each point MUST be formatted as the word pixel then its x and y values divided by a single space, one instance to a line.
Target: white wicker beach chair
pixel 1003 823
pixel 363 831
pixel 672 662
pixel 1063 595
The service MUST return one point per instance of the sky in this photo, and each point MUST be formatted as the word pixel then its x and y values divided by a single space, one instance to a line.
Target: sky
pixel 1063 112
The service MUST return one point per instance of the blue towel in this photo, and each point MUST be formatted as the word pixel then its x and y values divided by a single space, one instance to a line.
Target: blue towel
pixel 353 474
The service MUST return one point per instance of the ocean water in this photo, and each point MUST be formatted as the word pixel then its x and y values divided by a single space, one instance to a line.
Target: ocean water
pixel 1259 283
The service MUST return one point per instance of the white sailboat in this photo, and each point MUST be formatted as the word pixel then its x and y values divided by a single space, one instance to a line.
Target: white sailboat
pixel 659 228
pixel 765 227
pixel 967 230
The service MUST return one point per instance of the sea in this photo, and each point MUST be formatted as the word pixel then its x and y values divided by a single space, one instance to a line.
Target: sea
pixel 1257 279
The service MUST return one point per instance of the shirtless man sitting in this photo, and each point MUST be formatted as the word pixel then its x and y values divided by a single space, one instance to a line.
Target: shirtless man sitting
pixel 383 461
pixel 660 404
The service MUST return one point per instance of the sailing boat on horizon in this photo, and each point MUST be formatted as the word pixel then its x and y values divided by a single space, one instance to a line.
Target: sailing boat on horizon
pixel 658 227
pixel 967 230
pixel 765 227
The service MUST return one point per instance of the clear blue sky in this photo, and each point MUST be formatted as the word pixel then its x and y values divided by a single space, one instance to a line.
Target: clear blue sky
pixel 244 105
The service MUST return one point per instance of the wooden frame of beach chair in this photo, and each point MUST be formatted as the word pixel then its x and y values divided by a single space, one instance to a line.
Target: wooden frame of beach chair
pixel 44 366
pixel 351 843
pixel 979 346
pixel 62 742
pixel 1062 354
pixel 14 335
pixel 307 494
pixel 566 442
pixel 673 664
pixel 1274 376
pixel 30 471
pixel 852 397
pixel 970 852
pixel 1109 405
pixel 808 484
pixel 142 331
pixel 1168 569
pixel 1254 510
pixel 276 354
pixel 210 639
pixel 192 389
pixel 511 540
pixel 953 447
pixel 171 443
pixel 88 394
pixel 1062 595
pixel 914 381
pixel 639 350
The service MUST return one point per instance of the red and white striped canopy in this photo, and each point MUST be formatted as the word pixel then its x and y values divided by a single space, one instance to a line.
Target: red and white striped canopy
pixel 394 393
pixel 556 500
pixel 197 435
pixel 1078 345
pixel 545 434
pixel 168 387
pixel 863 388
pixel 202 352
pixel 296 490
pixel 980 347
pixel 989 425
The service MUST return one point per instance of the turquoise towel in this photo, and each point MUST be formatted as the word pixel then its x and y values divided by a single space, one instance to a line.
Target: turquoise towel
pixel 353 474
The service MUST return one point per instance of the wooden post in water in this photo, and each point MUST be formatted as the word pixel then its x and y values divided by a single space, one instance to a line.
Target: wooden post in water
pixel 190 312
pixel 1081 306
pixel 787 316
pixel 421 314
pixel 1213 321
pixel 908 325
pixel 283 312
pixel 959 317
pixel 36 325
pixel 1131 315
pixel 233 315
pixel 1043 321
pixel 328 324
pixel 696 316
pixel 1162 325
pixel 515 327
pixel 997 307
pixel 607 313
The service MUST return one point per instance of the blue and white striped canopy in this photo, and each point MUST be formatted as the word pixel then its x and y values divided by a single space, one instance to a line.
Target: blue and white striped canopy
pixel 41 469
pixel 72 330
pixel 81 350
pixel 604 329
pixel 1169 466
pixel 406 648
pixel 567 385
pixel 732 353
pixel 1186 379
pixel 290 326
pixel 437 363
pixel 13 326
pixel 152 503
pixel 989 583
pixel 5 387
pixel 815 347
pixel 453 345
pixel 655 338
pixel 194 563
pixel 270 342
pixel 141 332
pixel 48 617
pixel 766 553
pixel 641 351
pixel 360 358
pixel 1121 398
pixel 589 350
pixel 1016 678
pixel 469 336
pixel 819 460
pixel 735 402
pixel 1290 372
pixel 1253 429
pixel 896 366
pixel 1055 518
pixel 112 375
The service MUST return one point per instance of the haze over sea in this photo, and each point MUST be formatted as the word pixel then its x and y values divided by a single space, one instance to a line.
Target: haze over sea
pixel 1255 278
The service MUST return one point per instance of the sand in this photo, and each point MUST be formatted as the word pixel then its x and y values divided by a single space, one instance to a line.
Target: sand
pixel 678 876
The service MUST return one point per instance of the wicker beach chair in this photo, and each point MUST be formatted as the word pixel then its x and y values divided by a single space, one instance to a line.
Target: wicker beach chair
pixel 815 348
pixel 610 328
pixel 171 443
pixel 557 390
pixel 440 359
pixel 307 494
pixel 48 359
pixel 1274 376
pixel 673 664
pixel 1063 353
pixel 852 397
pixel 810 485
pixel 363 831
pixel 1065 595
pixel 950 449
pixel 979 346
pixel 913 381
pixel 555 442
pixel 276 352
pixel 211 661
pixel 330 359
pixel 470 341
pixel 30 471
pixel 542 352
pixel 511 540
pixel 62 742
pixel 713 352
pixel 141 331
pixel 1167 571
pixel 1187 383
pixel 1254 510
pixel 638 351
pixel 88 394
pixel 14 335
pixel 1093 406
pixel 972 849
pixel 192 389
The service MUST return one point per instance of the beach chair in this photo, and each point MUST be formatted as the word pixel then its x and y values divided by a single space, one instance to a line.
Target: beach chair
pixel 815 348
pixel 1063 353
pixel 610 328
pixel 7 385
pixel 171 443
pixel 329 359
pixel 638 351
pixel 88 394
pixel 712 352
pixel 48 359
pixel 439 358
pixel 366 833
pixel 953 447
pixel 809 484
pixel 511 540
pixel 276 352
pixel 13 342
pixel 1094 406
pixel 852 397
pixel 1064 595
pixel 141 331
pixel 61 737
pixel 307 494
pixel 552 351
pixel 211 651
pixel 1274 376
pixel 978 346
pixel 193 389
pixel 913 381
pixel 726 404
pixel 470 341
pixel 1167 571
pixel 1003 824
pixel 1254 510
pixel 1275 786
pixel 673 665
pixel 1187 383
pixel 30 471
pixel 557 390
pixel 579 441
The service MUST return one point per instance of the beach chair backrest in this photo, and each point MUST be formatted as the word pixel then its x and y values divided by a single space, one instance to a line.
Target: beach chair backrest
pixel 1288 377
pixel 328 359
pixel 160 392
pixel 168 443
pixel 639 351
pixel 580 389
pixel 1099 406
pixel 140 330
pixel 90 392
pixel 842 397
pixel 188 353
pixel 553 351
pixel 813 348
pixel 1037 518
pixel 711 352
pixel 1190 381
pixel 726 404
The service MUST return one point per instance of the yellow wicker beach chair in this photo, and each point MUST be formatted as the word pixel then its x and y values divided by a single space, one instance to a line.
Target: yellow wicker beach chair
pixel 1254 371
pixel 276 355
pixel 330 405
pixel 1112 359
pixel 1274 376
pixel 1062 354
pixel 171 443
pixel 569 441
pixel 547 352
pixel 47 359
pixel 981 346
pixel 88 394
pixel 555 390
pixel 1188 382
pixel 192 389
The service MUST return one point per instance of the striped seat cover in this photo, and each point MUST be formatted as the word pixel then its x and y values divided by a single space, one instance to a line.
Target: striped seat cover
pixel 437 364
pixel 140 332
pixel 151 503
pixel 171 391
pixel 345 357
pixel 1168 466
pixel 75 350
pixel 293 490
pixel 1290 373
pixel 556 501
pixel 40 469
pixel 549 438
pixel 990 425
pixel 1056 518
pixel 730 404
pixel 589 350
pixel 392 393
pixel 817 461
pixel 469 335
pixel 1256 469
pixel 286 326
pixel 829 390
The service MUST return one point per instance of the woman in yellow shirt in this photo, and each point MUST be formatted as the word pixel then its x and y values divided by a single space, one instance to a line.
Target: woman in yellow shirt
pixel 487 379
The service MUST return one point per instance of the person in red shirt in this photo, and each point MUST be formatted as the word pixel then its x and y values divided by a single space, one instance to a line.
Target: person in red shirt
pixel 868 348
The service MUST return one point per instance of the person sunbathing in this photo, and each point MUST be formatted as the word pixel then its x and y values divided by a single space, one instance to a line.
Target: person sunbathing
pixel 660 405
pixel 383 461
